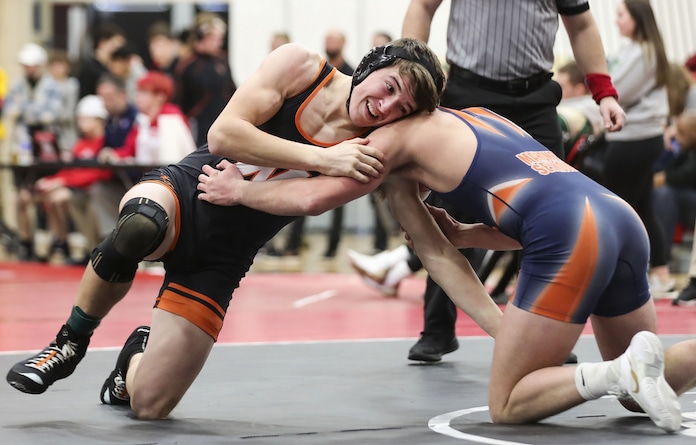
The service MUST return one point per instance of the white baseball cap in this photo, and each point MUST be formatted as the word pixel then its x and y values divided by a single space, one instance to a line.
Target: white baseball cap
pixel 32 54
pixel 91 106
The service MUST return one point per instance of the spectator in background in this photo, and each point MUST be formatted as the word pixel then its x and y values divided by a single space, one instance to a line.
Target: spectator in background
pixel 59 67
pixel 184 37
pixel 163 48
pixel 681 90
pixel 204 82
pixel 674 187
pixel 579 117
pixel 690 65
pixel 161 134
pixel 104 195
pixel 56 192
pixel 127 66
pixel 334 41
pixel 681 95
pixel 32 107
pixel 688 294
pixel 34 102
pixel 121 112
pixel 640 71
pixel 278 39
pixel 381 38
pixel 107 37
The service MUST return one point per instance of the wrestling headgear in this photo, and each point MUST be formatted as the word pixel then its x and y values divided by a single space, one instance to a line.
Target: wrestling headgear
pixel 383 56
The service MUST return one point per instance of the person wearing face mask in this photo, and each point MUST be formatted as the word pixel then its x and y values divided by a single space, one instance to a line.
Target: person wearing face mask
pixel 32 109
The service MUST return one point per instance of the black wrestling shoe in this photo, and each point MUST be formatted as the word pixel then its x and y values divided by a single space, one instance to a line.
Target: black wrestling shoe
pixel 57 361
pixel 114 391
pixel 572 359
pixel 431 348
pixel 687 296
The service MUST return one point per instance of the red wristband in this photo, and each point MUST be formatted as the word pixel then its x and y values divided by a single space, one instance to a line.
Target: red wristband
pixel 600 86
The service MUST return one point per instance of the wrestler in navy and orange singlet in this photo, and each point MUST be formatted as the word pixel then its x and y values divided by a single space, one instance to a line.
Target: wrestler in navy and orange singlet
pixel 578 246
pixel 215 245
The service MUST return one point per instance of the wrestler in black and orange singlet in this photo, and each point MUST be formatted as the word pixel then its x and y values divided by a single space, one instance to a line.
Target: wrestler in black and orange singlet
pixel 215 245
pixel 582 253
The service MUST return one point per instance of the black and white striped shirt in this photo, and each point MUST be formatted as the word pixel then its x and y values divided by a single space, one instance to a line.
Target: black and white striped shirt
pixel 506 39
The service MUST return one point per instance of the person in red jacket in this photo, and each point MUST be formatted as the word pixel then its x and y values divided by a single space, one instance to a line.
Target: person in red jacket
pixel 56 192
pixel 161 134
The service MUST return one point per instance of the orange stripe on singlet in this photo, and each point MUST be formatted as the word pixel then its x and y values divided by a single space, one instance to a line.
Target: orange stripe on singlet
pixel 476 122
pixel 197 308
pixel 506 193
pixel 164 180
pixel 561 298
pixel 489 113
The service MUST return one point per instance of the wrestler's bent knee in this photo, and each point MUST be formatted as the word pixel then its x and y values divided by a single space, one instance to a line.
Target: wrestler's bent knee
pixel 507 414
pixel 141 228
pixel 152 405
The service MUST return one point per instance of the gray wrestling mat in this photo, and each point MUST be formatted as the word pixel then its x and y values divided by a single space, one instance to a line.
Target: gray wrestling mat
pixel 320 393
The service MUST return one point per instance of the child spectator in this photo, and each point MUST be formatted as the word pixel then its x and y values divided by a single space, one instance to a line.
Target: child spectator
pixel 57 191
pixel 126 66
pixel 160 134
pixel 674 192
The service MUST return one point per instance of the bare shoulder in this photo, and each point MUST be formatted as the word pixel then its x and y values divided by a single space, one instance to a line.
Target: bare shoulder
pixel 292 65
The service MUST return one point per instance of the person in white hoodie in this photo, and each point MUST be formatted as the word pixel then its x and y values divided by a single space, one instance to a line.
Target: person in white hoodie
pixel 639 71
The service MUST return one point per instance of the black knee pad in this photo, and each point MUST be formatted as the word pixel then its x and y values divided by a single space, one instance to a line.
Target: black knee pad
pixel 141 228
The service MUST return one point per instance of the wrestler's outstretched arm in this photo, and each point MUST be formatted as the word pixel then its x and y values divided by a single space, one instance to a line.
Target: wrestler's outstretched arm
pixel 226 186
pixel 443 261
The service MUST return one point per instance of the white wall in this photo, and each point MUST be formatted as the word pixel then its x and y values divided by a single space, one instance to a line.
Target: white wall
pixel 252 22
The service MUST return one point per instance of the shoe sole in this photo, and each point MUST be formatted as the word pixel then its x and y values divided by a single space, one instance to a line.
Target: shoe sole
pixel 365 273
pixel 649 387
pixel 25 384
pixel 388 292
pixel 373 281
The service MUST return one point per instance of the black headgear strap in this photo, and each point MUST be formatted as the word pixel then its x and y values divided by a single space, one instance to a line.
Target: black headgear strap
pixel 383 56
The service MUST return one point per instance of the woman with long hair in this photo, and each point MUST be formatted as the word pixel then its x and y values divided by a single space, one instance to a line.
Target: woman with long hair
pixel 639 71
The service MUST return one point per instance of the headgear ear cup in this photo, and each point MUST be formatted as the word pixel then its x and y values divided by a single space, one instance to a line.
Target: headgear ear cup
pixel 366 65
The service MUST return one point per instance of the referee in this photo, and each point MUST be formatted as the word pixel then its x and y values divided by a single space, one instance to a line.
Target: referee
pixel 501 55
